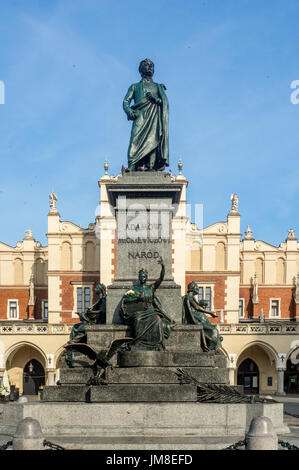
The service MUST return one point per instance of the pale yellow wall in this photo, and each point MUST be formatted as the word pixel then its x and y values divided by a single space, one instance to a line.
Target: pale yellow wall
pixel 280 271
pixel 89 260
pixel 18 271
pixel 259 269
pixel 195 264
pixel 220 257
pixel 66 256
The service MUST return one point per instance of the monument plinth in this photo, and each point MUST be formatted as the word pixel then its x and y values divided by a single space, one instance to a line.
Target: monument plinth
pixel 144 204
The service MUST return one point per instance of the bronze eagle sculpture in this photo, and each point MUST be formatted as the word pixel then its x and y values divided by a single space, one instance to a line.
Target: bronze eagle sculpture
pixel 101 358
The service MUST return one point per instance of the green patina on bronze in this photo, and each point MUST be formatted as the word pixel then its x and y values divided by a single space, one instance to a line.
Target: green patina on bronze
pixel 148 148
pixel 195 312
pixel 143 311
pixel 96 314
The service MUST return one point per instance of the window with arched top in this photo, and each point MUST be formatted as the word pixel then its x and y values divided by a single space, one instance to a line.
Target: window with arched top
pixel 259 269
pixel 18 271
pixel 280 271
pixel 39 271
pixel 66 257
pixel 220 257
pixel 89 258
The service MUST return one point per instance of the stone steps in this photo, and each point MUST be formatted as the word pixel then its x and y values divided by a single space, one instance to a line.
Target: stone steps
pixel 145 375
pixel 118 393
pixel 179 358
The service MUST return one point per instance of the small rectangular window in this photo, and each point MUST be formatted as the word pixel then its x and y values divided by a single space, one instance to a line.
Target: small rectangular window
pixel 79 300
pixel 200 293
pixel 274 308
pixel 241 308
pixel 86 298
pixel 45 310
pixel 208 297
pixel 12 309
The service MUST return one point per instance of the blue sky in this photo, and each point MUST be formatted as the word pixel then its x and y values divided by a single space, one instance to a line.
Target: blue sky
pixel 227 66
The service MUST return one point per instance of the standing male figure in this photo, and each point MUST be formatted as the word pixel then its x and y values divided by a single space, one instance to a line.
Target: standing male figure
pixel 148 148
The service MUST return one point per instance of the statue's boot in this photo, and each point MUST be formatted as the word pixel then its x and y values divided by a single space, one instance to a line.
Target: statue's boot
pixel 162 168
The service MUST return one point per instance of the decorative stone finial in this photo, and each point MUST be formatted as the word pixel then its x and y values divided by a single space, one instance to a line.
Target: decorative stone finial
pixel 235 203
pixel 106 167
pixel 180 166
pixel 248 233
pixel 291 235
pixel 28 235
pixel 52 202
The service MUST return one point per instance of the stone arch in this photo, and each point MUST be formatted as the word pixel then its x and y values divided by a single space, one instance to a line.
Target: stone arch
pixel 292 350
pixel 18 356
pixel 259 269
pixel 269 350
pixel 224 353
pixel 57 357
pixel 66 256
pixel 18 271
pixel 220 257
pixel 89 256
pixel 265 357
pixel 280 271
pixel 57 362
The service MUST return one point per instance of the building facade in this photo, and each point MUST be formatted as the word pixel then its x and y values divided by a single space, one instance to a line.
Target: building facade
pixel 253 286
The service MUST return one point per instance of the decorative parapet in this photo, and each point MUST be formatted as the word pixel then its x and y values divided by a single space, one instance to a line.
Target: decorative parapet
pixel 30 329
pixel 254 329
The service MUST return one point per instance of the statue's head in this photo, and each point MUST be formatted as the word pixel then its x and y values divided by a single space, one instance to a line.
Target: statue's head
pixel 142 276
pixel 146 68
pixel 193 287
pixel 100 290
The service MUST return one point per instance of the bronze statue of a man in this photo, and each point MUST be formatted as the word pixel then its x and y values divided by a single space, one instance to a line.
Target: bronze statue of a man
pixel 148 149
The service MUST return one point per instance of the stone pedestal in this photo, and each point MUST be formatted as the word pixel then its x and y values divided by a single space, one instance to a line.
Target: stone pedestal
pixel 144 205
pixel 140 426
pixel 140 375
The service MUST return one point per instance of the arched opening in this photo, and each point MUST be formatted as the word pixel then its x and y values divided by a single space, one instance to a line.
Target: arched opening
pixel 248 376
pixel 265 358
pixel 18 361
pixel 291 375
pixel 33 377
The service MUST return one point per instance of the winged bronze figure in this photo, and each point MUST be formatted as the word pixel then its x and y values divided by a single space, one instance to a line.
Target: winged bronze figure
pixel 101 358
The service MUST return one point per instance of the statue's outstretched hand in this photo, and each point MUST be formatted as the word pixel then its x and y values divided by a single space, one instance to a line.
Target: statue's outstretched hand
pixel 160 260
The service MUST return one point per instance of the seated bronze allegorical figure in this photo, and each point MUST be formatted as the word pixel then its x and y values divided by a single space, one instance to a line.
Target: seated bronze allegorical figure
pixel 143 311
pixel 195 312
pixel 96 314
